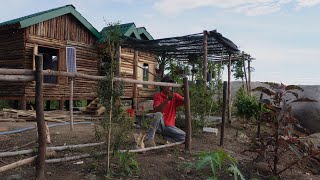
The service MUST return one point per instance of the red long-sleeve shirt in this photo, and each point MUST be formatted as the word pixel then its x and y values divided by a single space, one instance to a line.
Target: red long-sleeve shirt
pixel 170 109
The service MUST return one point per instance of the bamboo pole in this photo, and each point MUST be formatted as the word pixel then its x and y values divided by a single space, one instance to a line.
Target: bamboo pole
pixel 229 90
pixel 71 104
pixel 40 164
pixel 135 76
pixel 187 114
pixel 205 55
pixel 224 107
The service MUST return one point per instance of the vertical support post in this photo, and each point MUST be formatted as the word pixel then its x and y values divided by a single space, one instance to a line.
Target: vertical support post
pixel 135 76
pixel 23 105
pixel 249 76
pixel 41 157
pixel 229 90
pixel 187 114
pixel 259 118
pixel 71 104
pixel 205 55
pixel 119 62
pixel 61 104
pixel 224 108
pixel 245 71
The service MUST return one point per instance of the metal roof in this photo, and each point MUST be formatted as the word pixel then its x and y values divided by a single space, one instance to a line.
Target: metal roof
pixel 36 18
pixel 127 30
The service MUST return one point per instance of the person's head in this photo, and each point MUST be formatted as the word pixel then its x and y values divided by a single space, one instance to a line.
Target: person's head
pixel 166 89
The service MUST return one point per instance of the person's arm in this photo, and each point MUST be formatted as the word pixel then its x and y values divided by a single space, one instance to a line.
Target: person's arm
pixel 179 99
pixel 159 107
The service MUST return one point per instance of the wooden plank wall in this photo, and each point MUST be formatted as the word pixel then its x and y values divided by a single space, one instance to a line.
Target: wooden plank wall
pixel 58 33
pixel 11 56
pixel 127 71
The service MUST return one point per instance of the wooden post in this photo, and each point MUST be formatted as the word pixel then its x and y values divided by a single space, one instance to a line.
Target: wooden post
pixel 119 63
pixel 71 104
pixel 187 114
pixel 229 90
pixel 109 129
pixel 259 118
pixel 23 105
pixel 61 104
pixel 245 72
pixel 249 76
pixel 40 164
pixel 205 55
pixel 223 112
pixel 135 76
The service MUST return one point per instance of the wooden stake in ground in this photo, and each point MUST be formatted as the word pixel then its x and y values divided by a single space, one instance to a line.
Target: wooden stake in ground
pixel 109 128
pixel 71 103
pixel 229 90
pixel 187 114
pixel 223 112
pixel 205 56
pixel 40 163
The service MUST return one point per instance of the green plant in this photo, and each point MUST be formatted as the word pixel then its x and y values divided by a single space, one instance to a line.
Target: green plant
pixel 246 106
pixel 216 160
pixel 127 163
pixel 282 135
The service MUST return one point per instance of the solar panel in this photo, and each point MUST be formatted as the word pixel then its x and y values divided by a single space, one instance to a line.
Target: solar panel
pixel 71 59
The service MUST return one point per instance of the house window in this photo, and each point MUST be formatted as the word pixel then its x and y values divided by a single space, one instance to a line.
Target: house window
pixel 145 73
pixel 50 61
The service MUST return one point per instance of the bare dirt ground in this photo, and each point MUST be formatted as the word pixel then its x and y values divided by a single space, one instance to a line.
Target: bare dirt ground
pixel 168 163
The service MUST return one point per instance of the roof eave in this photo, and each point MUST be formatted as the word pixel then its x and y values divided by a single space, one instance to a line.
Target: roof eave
pixel 59 12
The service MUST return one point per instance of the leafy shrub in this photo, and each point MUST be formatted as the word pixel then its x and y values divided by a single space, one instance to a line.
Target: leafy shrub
pixel 246 106
pixel 127 163
pixel 215 160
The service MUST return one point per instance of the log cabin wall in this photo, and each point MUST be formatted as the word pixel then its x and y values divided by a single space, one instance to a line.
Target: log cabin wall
pixel 127 58
pixel 57 34
pixel 11 56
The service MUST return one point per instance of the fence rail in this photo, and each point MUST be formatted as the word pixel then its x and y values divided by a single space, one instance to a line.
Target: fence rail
pixel 24 75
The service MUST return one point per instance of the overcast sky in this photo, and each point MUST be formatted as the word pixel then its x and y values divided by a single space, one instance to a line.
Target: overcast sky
pixel 283 35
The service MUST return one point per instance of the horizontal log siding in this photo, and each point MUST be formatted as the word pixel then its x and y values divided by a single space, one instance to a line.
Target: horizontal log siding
pixel 127 71
pixel 11 56
pixel 59 33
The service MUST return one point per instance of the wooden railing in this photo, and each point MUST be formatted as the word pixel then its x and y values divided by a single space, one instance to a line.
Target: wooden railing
pixel 25 75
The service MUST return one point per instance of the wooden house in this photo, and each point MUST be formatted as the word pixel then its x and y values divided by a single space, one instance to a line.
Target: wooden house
pixel 49 33
pixel 146 62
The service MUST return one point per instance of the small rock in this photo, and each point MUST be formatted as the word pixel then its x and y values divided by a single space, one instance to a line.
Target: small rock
pixel 57 133
pixel 181 158
pixel 14 177
pixel 169 155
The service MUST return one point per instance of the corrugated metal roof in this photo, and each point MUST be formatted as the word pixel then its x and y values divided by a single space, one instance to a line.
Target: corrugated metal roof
pixel 128 29
pixel 36 18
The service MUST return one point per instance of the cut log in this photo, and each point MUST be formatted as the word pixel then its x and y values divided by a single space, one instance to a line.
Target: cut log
pixel 18 164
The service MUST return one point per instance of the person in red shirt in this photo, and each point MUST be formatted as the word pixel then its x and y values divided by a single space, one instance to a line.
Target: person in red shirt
pixel 165 105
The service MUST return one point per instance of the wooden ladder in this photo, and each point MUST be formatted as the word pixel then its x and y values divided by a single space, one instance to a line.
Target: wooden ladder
pixel 95 108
